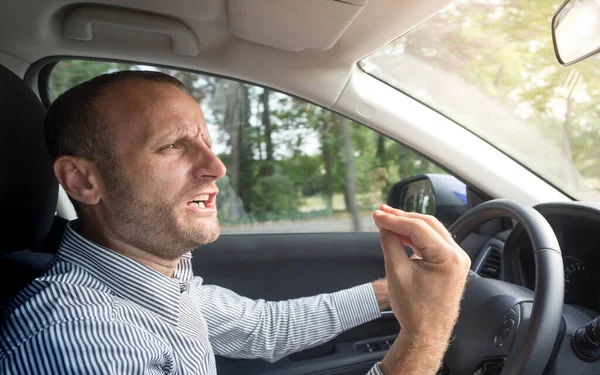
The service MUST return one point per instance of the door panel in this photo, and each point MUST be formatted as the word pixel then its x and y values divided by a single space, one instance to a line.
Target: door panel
pixel 284 266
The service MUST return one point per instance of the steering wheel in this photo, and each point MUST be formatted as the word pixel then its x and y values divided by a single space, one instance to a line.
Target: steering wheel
pixel 503 325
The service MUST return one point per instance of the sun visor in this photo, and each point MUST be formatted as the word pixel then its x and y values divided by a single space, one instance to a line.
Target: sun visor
pixel 293 25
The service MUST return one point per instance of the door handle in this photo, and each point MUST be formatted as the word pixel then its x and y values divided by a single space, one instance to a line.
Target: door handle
pixel 78 26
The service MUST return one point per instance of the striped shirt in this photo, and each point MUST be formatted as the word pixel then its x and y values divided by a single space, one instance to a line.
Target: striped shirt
pixel 97 312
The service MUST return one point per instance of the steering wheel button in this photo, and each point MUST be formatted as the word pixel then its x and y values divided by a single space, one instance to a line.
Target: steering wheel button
pixel 503 331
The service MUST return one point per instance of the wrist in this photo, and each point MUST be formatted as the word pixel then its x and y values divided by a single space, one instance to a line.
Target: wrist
pixel 380 287
pixel 415 354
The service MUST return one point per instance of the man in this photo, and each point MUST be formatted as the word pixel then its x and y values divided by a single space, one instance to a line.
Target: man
pixel 133 152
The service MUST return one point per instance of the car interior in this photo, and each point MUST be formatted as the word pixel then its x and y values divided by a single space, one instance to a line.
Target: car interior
pixel 534 290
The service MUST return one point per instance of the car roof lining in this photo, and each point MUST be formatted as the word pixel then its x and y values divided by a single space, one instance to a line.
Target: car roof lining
pixel 34 29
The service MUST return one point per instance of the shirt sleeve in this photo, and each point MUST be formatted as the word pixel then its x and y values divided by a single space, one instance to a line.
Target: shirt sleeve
pixel 88 347
pixel 243 328
pixel 375 370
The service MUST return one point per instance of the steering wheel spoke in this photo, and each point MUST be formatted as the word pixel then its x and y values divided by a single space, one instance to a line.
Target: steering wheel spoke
pixel 492 313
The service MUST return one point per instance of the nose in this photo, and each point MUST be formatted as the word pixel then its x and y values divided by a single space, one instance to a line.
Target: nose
pixel 208 165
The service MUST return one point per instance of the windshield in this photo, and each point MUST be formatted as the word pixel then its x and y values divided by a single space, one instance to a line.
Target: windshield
pixel 489 65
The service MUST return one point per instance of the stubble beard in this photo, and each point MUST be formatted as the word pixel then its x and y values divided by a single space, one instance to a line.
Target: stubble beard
pixel 153 227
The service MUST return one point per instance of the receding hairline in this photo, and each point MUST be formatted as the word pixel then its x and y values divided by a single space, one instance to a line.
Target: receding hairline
pixel 165 81
pixel 109 89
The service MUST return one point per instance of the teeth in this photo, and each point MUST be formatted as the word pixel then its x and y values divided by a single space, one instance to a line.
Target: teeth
pixel 200 201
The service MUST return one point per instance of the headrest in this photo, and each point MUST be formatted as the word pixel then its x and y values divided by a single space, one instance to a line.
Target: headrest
pixel 28 190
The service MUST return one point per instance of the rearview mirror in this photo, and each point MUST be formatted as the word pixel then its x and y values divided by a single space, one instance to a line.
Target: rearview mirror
pixel 439 195
pixel 576 31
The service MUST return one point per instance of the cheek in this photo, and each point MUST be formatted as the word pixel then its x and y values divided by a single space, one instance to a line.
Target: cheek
pixel 163 182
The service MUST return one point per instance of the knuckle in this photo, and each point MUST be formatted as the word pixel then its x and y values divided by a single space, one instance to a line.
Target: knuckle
pixel 460 258
pixel 456 258
pixel 467 260
pixel 420 225
pixel 431 219
pixel 464 259
pixel 434 223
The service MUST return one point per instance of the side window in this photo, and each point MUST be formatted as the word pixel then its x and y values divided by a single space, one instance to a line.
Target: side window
pixel 292 166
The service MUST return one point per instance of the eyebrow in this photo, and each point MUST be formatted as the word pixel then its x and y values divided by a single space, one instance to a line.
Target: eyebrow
pixel 165 136
pixel 178 133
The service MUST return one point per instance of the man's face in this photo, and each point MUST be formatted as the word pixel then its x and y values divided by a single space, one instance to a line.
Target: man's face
pixel 161 198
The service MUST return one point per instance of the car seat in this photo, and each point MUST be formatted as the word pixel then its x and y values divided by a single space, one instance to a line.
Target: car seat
pixel 29 189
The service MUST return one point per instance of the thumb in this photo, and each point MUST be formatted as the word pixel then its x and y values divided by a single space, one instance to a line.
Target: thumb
pixel 395 256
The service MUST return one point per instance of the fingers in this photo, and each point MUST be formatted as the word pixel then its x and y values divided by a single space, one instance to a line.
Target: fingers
pixel 431 246
pixel 393 252
pixel 432 221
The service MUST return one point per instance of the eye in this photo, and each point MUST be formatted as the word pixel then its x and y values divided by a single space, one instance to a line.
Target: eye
pixel 170 146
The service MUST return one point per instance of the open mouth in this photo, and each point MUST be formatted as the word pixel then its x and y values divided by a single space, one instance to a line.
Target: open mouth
pixel 203 201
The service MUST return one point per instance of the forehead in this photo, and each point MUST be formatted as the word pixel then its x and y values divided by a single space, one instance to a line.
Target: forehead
pixel 144 109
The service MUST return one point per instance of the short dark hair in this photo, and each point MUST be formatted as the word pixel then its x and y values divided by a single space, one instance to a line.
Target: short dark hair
pixel 74 126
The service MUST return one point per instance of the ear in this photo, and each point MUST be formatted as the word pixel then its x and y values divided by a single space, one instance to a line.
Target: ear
pixel 80 178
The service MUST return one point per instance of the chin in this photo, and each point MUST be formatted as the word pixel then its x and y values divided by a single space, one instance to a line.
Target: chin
pixel 208 234
pixel 211 238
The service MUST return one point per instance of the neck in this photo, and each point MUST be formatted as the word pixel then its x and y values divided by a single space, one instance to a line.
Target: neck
pixel 112 242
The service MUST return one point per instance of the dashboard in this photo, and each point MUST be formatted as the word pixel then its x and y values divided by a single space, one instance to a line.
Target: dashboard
pixel 577 228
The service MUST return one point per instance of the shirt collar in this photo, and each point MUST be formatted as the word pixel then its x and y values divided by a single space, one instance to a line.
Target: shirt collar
pixel 129 279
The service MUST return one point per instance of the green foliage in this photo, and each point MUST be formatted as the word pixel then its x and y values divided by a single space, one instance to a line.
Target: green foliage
pixel 275 195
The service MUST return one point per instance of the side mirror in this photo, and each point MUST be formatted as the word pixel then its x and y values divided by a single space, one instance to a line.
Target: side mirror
pixel 439 195
pixel 576 31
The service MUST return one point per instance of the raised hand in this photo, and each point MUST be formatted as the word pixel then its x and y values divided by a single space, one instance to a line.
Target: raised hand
pixel 424 290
